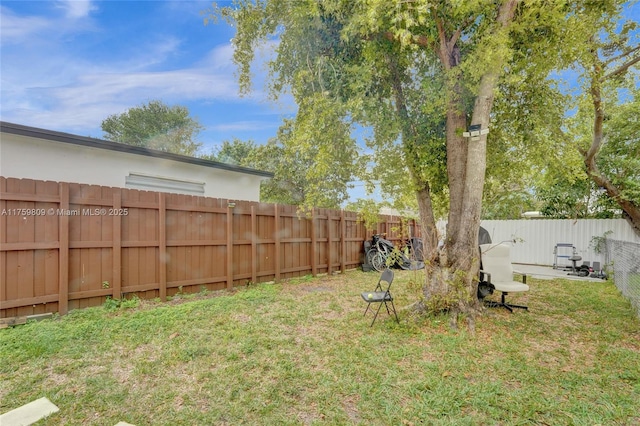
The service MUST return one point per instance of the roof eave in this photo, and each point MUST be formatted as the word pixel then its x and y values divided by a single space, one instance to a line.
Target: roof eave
pixel 21 130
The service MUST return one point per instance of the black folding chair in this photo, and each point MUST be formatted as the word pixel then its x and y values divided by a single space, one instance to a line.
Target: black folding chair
pixel 381 296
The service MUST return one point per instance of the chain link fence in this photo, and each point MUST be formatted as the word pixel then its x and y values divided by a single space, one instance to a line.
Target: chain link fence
pixel 622 263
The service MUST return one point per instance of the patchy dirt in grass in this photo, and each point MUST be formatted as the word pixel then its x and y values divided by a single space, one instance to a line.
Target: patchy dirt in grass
pixel 241 318
pixel 309 416
pixel 350 406
pixel 122 372
pixel 314 289
pixel 54 379
pixel 179 299
pixel 319 285
pixel 562 355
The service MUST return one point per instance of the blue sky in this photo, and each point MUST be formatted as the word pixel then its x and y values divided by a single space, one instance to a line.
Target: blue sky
pixel 67 65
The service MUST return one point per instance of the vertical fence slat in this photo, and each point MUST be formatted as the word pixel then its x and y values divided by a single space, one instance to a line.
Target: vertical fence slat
pixel 3 238
pixel 229 247
pixel 254 245
pixel 343 247
pixel 277 239
pixel 329 243
pixel 63 254
pixel 314 244
pixel 163 256
pixel 116 246
pixel 135 246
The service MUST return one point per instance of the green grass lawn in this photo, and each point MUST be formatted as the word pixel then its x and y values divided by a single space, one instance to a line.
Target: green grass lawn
pixel 301 352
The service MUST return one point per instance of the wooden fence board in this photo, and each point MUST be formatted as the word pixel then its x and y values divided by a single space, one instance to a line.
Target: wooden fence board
pixel 156 244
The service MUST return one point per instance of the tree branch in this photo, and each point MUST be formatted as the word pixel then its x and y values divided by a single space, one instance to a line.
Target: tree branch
pixel 456 35
pixel 507 11
pixel 621 69
pixel 622 55
pixel 424 41
pixel 444 48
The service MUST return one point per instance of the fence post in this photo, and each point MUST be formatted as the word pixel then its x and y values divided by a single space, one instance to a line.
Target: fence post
pixel 329 240
pixel 3 261
pixel 343 243
pixel 277 240
pixel 230 245
pixel 254 246
pixel 386 227
pixel 116 246
pixel 314 242
pixel 63 253
pixel 162 235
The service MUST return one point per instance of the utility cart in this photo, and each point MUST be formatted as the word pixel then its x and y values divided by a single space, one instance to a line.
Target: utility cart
pixel 562 254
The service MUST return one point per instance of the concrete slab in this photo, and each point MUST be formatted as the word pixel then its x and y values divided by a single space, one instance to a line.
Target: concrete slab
pixel 548 273
pixel 29 413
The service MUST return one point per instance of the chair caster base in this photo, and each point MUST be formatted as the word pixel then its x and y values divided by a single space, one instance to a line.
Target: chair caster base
pixel 507 306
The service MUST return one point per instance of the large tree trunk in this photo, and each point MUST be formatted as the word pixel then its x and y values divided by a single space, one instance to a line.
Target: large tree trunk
pixel 456 123
pixel 463 254
pixel 452 285
pixel 456 166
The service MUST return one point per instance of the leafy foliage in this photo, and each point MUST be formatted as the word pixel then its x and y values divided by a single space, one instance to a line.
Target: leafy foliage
pixel 606 126
pixel 417 74
pixel 155 125
pixel 235 152
pixel 287 186
pixel 619 159
pixel 306 173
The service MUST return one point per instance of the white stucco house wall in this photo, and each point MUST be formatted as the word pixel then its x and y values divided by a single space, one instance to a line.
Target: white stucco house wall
pixel 33 153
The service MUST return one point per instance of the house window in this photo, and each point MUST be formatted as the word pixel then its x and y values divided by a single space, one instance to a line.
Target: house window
pixel 163 184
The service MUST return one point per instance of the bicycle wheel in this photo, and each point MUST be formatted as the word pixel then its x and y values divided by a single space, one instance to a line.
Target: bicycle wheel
pixel 379 261
pixel 370 255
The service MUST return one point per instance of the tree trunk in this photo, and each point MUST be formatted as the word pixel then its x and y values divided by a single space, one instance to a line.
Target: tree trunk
pixel 631 211
pixel 456 124
pixel 428 225
pixel 409 143
pixel 452 285
pixel 456 168
pixel 463 253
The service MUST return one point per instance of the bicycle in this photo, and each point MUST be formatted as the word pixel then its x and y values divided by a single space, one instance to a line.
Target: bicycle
pixel 379 252
pixel 383 254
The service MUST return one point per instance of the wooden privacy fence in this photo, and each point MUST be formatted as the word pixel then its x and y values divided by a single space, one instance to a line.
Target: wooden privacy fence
pixel 66 246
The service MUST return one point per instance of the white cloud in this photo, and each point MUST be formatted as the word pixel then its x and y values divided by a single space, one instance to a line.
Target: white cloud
pixel 220 57
pixel 30 30
pixel 89 98
pixel 75 9
pixel 187 84
pixel 49 80
pixel 246 126
pixel 16 29
pixel 80 95
pixel 148 54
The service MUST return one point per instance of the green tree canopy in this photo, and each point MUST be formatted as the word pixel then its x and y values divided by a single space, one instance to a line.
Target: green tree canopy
pixel 303 175
pixel 418 73
pixel 157 126
pixel 234 152
pixel 593 169
pixel 611 88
